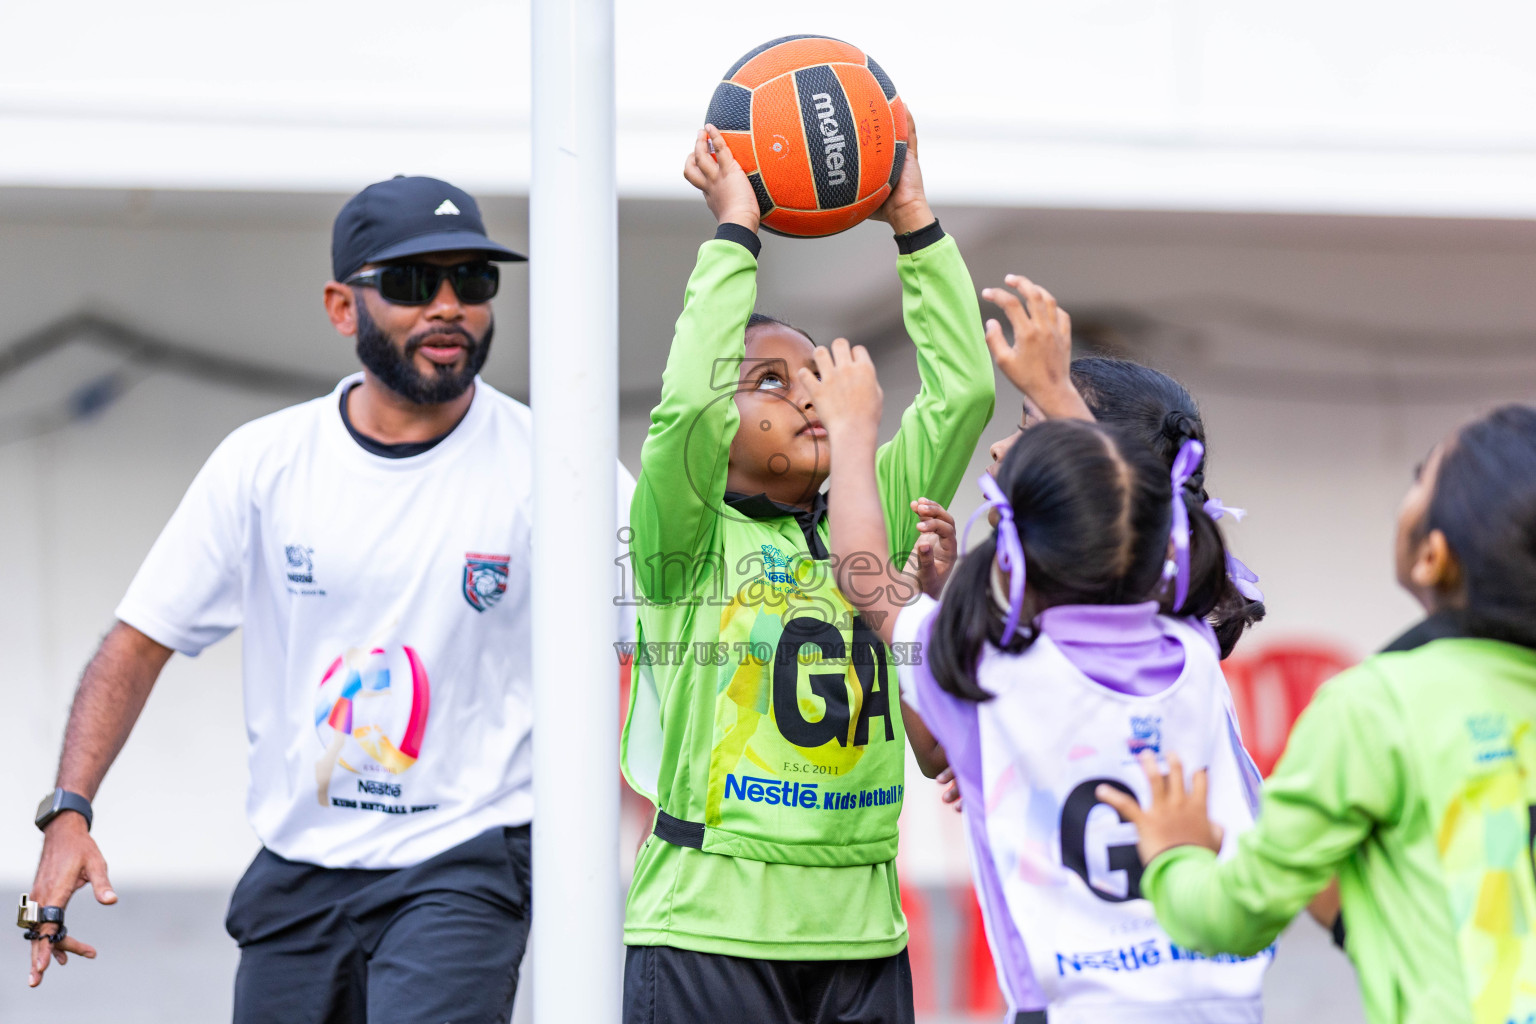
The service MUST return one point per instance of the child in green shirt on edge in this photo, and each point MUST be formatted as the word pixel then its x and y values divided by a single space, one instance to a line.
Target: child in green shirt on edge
pixel 764 720
pixel 1411 776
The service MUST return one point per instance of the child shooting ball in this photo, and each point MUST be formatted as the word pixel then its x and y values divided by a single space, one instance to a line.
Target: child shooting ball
pixel 768 890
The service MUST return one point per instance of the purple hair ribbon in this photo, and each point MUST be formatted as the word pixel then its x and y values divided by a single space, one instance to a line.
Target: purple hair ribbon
pixel 1215 509
pixel 1242 577
pixel 1184 466
pixel 1010 552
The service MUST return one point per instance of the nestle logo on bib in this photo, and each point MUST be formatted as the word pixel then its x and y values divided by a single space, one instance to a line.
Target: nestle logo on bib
pixel 771 791
pixel 804 794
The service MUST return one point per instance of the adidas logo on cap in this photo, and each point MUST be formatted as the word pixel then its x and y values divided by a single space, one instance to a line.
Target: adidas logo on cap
pixel 446 207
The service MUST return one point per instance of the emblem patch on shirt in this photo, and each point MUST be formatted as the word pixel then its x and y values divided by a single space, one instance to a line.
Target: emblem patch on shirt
pixel 1146 734
pixel 1490 738
pixel 778 570
pixel 485 579
pixel 301 563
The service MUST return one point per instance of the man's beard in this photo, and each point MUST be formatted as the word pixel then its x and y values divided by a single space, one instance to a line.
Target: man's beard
pixel 397 371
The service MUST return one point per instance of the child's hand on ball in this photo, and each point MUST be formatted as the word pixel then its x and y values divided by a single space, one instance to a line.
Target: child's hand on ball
pixel 727 191
pixel 906 208
pixel 844 391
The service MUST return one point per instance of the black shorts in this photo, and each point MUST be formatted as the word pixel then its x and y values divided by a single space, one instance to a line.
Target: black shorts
pixel 437 943
pixel 663 985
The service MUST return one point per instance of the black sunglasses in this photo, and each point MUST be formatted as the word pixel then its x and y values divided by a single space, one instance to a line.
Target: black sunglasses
pixel 415 284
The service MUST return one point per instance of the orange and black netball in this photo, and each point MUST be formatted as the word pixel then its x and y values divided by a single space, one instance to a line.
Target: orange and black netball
pixel 818 127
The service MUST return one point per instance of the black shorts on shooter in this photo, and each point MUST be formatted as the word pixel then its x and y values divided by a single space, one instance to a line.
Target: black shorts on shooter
pixel 437 943
pixel 664 985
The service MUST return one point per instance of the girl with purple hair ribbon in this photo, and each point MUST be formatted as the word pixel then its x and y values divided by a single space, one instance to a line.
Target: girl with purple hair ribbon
pixel 1050 662
pixel 1083 631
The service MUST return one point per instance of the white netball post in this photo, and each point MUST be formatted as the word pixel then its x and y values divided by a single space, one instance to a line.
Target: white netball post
pixel 573 337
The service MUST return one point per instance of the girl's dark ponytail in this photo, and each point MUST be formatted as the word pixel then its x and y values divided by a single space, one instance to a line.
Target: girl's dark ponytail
pixel 1178 427
pixel 1208 582
pixel 968 620
pixel 1233 614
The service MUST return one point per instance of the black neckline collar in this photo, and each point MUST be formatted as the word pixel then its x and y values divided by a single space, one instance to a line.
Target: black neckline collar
pixel 1460 624
pixel 1439 626
pixel 760 506
pixel 401 450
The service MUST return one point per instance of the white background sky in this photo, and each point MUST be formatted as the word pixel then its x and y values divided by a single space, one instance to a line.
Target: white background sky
pixel 1312 105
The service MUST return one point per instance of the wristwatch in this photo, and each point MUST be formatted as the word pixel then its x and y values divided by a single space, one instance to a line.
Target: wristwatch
pixel 59 801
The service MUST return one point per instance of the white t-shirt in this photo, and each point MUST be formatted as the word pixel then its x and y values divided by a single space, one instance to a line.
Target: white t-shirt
pixel 386 611
pixel 1056 870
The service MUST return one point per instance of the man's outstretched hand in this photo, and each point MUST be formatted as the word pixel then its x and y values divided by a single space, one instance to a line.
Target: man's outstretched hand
pixel 70 860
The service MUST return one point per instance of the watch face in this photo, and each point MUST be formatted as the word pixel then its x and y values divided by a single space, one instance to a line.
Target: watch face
pixel 45 808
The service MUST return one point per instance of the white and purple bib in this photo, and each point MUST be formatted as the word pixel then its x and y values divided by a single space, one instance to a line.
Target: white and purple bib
pixel 1057 871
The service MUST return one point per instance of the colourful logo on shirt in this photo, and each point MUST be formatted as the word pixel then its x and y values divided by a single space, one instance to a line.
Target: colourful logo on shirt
pixel 485 579
pixel 1490 738
pixel 1146 734
pixel 778 571
pixel 371 712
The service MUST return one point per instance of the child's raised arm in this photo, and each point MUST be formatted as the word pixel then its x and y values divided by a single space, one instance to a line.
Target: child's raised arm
pixel 847 397
pixel 939 430
pixel 1039 361
pixel 711 168
pixel 685 458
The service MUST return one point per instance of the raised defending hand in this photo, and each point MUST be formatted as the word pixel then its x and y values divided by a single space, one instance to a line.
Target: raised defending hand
pixel 1040 359
pixel 906 208
pixel 1176 816
pixel 845 392
pixel 934 554
pixel 727 190
pixel 70 860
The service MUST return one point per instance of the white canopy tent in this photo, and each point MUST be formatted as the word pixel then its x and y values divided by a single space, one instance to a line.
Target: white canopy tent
pixel 1374 108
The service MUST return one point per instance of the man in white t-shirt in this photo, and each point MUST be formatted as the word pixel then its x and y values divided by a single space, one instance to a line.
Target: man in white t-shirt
pixel 374 546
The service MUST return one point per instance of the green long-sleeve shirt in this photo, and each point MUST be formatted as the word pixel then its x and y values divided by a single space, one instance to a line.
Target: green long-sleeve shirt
pixel 1413 778
pixel 756 906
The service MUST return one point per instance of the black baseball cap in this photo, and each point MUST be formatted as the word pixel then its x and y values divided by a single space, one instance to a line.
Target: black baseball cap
pixel 408 216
